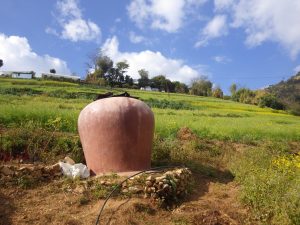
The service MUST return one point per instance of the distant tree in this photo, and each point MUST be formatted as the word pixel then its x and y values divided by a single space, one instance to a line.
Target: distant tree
pixel 244 95
pixel 217 92
pixel 52 71
pixel 104 65
pixel 100 68
pixel 128 80
pixel 1 62
pixel 271 101
pixel 115 76
pixel 144 81
pixel 233 89
pixel 121 69
pixel 202 87
pixel 180 87
pixel 160 82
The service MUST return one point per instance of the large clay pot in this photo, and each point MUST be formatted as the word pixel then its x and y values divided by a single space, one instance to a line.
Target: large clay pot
pixel 116 135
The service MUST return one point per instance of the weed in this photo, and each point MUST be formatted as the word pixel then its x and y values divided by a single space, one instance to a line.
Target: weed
pixel 270 183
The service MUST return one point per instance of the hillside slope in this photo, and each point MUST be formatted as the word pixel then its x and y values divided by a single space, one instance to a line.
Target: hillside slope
pixel 288 92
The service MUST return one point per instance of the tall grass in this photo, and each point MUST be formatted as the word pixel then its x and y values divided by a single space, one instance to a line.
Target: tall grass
pixel 270 179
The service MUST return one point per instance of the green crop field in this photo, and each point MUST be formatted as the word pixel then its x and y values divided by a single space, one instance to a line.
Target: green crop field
pixel 258 146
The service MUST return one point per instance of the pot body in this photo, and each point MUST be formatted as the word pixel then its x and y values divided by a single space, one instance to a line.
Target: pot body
pixel 116 135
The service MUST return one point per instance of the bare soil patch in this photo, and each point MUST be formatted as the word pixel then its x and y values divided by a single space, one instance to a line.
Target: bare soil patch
pixel 214 201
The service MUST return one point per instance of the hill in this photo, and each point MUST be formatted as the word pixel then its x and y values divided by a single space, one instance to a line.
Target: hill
pixel 288 92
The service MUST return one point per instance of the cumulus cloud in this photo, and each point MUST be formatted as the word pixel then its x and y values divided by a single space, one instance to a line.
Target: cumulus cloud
pixel 18 55
pixel 161 14
pixel 154 62
pixel 297 69
pixel 268 20
pixel 215 28
pixel 74 27
pixel 134 38
pixel 221 59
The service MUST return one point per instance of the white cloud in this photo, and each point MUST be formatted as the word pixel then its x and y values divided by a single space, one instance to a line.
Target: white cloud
pixel 134 38
pixel 269 20
pixel 74 27
pixel 221 59
pixel 18 55
pixel 161 14
pixel 80 30
pixel 215 28
pixel 297 69
pixel 154 62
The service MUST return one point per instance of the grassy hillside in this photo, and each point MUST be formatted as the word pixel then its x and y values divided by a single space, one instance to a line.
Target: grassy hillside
pixel 42 101
pixel 258 146
pixel 288 92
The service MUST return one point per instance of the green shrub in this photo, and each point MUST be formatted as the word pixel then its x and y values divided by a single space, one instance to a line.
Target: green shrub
pixel 270 101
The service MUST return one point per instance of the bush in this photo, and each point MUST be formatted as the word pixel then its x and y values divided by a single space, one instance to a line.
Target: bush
pixel 270 101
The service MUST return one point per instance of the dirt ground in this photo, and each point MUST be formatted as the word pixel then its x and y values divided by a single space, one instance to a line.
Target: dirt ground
pixel 213 202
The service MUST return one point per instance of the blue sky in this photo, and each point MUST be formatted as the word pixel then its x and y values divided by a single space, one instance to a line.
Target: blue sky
pixel 253 43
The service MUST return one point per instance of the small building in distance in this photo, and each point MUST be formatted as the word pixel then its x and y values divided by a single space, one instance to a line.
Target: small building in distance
pixel 148 88
pixel 18 74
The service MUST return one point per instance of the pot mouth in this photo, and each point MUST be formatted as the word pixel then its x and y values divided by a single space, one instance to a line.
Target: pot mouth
pixel 111 95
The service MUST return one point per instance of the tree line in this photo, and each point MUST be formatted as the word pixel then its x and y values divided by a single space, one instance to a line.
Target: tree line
pixel 103 71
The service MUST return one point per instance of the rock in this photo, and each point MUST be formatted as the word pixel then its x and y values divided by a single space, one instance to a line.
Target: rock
pixel 7 171
pixel 150 178
pixel 135 190
pixel 149 183
pixel 69 160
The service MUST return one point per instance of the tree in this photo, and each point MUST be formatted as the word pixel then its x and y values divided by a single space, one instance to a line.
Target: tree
pixel 202 87
pixel 244 95
pixel 52 71
pixel 233 89
pixel 128 80
pixel 271 101
pixel 115 75
pixel 217 92
pixel 180 87
pixel 1 62
pixel 144 80
pixel 160 82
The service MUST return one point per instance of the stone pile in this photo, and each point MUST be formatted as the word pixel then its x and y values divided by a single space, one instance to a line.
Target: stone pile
pixel 169 186
pixel 37 172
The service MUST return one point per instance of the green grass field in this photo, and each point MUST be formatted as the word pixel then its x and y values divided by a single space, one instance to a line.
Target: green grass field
pixel 40 101
pixel 40 118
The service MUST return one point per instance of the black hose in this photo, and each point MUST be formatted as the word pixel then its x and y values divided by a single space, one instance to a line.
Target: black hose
pixel 119 185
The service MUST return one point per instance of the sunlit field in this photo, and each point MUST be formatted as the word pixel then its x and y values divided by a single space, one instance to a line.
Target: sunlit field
pixel 258 146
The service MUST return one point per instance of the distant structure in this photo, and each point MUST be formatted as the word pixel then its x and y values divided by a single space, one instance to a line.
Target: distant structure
pixel 18 74
pixel 148 88
pixel 59 76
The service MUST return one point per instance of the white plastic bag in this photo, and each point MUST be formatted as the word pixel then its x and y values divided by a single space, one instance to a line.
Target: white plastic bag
pixel 76 170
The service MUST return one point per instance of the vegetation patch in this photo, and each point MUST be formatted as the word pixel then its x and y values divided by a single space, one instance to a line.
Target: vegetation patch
pixel 166 104
pixel 269 176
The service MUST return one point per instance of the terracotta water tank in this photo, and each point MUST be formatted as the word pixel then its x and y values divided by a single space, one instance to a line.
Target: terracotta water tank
pixel 116 135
